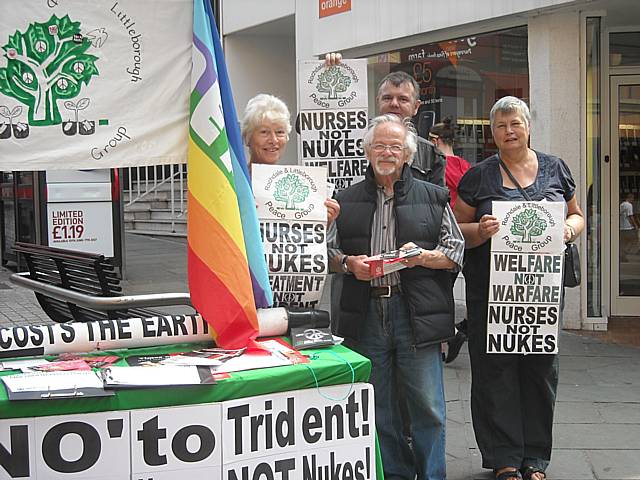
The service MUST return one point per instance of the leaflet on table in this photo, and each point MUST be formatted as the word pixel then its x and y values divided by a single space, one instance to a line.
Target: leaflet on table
pixel 54 385
pixel 203 357
pixel 271 353
pixel 22 364
pixel 156 376
pixel 385 263
pixel 290 201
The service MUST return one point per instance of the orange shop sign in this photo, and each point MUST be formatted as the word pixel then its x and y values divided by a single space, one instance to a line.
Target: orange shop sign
pixel 332 7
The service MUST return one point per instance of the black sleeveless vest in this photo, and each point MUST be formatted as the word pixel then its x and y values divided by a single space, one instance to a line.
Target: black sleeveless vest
pixel 418 207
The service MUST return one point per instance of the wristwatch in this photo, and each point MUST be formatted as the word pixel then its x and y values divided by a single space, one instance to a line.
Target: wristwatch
pixel 343 262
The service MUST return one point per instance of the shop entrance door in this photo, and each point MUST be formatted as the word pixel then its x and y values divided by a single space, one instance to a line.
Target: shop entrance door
pixel 625 195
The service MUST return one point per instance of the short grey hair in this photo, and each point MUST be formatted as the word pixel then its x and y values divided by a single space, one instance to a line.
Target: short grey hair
pixel 264 107
pixel 510 105
pixel 410 138
pixel 400 78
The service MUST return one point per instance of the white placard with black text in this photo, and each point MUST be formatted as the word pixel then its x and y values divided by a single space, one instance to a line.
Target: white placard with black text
pixel 333 118
pixel 290 201
pixel 526 273
pixel 301 432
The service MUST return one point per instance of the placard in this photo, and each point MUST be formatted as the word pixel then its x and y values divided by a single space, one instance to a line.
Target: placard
pixel 297 434
pixel 292 215
pixel 172 442
pixel 333 118
pixel 526 274
pixel 301 432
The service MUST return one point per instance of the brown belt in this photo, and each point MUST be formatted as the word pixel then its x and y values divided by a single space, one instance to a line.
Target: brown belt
pixel 385 291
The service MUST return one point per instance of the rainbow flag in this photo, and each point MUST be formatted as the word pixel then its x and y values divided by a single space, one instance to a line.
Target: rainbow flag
pixel 228 275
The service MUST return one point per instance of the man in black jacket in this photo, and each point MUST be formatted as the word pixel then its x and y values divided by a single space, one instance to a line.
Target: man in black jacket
pixel 398 94
pixel 398 320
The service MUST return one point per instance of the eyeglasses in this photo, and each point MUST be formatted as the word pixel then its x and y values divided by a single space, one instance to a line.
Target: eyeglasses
pixel 394 149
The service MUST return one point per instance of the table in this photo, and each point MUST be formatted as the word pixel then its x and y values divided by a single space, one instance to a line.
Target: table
pixel 330 366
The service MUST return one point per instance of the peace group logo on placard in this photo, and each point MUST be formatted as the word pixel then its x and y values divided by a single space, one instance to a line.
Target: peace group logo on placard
pixel 527 224
pixel 291 190
pixel 335 87
pixel 289 193
pixel 529 227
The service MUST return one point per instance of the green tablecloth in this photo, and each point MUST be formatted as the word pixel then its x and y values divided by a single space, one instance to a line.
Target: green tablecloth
pixel 330 366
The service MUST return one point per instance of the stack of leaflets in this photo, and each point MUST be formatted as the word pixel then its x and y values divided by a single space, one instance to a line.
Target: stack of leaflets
pixel 385 263
pixel 54 385
pixel 156 376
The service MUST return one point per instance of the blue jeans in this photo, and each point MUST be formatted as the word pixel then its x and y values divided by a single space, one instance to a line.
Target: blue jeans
pixel 387 340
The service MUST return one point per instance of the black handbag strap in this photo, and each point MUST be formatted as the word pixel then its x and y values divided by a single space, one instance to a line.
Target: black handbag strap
pixel 513 179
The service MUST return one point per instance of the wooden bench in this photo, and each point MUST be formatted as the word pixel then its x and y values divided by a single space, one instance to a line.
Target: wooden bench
pixel 78 286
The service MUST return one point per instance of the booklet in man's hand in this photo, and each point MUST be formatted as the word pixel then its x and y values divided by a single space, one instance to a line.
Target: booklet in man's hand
pixel 385 263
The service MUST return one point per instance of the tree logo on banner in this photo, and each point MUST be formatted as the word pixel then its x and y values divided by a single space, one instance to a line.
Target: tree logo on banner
pixel 46 63
pixel 332 82
pixel 528 224
pixel 291 190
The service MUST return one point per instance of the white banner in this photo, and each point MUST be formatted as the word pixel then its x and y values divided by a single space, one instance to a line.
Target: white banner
pixel 333 118
pixel 292 214
pixel 94 84
pixel 525 288
pixel 110 334
pixel 298 434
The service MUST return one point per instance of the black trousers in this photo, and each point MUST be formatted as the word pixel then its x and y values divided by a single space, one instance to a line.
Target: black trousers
pixel 512 400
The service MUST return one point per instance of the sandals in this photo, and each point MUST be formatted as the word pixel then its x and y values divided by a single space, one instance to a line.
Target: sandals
pixel 528 472
pixel 510 475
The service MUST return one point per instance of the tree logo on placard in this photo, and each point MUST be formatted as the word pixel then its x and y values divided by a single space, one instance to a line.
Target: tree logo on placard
pixel 332 82
pixel 291 190
pixel 528 224
pixel 46 63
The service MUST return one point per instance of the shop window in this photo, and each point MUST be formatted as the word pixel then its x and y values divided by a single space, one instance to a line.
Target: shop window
pixel 624 49
pixel 461 78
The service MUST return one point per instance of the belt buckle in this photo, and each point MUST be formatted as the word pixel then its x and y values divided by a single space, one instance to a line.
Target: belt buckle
pixel 388 294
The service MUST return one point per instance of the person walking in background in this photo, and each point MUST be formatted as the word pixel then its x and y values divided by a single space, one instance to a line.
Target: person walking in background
pixel 398 320
pixel 512 395
pixel 443 136
pixel 629 227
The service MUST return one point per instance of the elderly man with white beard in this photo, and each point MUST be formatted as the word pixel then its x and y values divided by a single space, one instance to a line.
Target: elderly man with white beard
pixel 398 320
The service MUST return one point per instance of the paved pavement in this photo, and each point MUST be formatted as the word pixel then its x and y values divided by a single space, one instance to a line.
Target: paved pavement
pixel 597 422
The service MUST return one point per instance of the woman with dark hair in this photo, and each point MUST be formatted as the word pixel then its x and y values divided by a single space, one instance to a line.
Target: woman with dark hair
pixel 443 135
